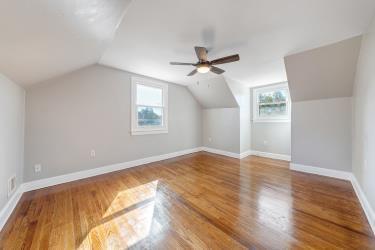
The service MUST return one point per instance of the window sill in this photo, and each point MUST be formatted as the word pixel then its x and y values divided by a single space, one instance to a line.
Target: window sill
pixel 149 132
pixel 273 121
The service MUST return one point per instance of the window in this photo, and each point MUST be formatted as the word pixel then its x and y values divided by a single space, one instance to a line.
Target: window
pixel 149 107
pixel 271 103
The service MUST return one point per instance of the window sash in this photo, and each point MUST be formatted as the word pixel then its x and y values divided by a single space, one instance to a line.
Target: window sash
pixel 150 126
pixel 149 106
pixel 137 129
pixel 257 104
pixel 155 87
pixel 271 103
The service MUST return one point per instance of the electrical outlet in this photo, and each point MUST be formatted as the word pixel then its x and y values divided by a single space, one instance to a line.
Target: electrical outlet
pixel 209 139
pixel 38 168
pixel 11 185
pixel 92 153
pixel 265 142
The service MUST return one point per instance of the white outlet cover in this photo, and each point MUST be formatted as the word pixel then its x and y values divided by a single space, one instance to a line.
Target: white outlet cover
pixel 37 168
pixel 92 153
pixel 11 185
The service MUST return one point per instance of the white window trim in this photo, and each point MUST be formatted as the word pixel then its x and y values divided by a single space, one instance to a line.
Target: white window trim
pixel 137 130
pixel 256 91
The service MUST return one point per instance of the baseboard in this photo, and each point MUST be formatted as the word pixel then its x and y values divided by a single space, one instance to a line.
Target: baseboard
pixel 52 181
pixel 33 185
pixel 271 155
pixel 322 171
pixel 47 182
pixel 10 206
pixel 221 152
pixel 246 154
pixel 369 211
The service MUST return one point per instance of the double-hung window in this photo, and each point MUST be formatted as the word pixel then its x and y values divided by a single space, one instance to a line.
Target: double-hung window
pixel 149 107
pixel 271 103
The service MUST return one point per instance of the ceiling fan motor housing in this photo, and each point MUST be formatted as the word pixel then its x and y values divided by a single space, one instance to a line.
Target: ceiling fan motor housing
pixel 204 66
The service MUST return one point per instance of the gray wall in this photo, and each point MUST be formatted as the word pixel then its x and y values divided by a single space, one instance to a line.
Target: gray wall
pixel 364 117
pixel 321 133
pixel 222 126
pixel 12 110
pixel 242 95
pixel 90 109
pixel 270 137
pixel 325 72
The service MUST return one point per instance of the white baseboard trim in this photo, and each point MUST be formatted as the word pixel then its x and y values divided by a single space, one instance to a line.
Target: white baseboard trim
pixel 10 206
pixel 322 171
pixel 47 182
pixel 369 211
pixel 246 154
pixel 33 185
pixel 220 152
pixel 271 155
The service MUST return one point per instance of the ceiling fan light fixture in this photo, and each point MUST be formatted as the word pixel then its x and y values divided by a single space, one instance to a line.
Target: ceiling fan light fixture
pixel 203 68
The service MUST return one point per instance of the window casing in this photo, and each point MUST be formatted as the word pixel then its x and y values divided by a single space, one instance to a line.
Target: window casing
pixel 272 104
pixel 149 107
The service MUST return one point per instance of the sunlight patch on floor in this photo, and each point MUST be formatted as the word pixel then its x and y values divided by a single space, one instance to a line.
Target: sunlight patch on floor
pixel 127 221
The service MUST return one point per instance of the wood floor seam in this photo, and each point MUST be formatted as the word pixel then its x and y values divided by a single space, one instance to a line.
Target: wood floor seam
pixel 196 201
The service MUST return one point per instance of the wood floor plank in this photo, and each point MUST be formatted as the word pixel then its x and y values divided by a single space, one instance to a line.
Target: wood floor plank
pixel 197 201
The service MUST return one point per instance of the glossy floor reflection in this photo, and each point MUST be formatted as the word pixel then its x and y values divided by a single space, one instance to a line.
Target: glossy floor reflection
pixel 200 201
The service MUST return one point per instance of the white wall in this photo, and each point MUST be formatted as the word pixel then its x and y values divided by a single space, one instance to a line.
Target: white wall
pixel 221 129
pixel 321 133
pixel 89 109
pixel 12 110
pixel 364 118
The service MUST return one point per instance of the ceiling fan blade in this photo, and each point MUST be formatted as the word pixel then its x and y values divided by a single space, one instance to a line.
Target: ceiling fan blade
pixel 193 72
pixel 180 63
pixel 227 59
pixel 217 70
pixel 201 53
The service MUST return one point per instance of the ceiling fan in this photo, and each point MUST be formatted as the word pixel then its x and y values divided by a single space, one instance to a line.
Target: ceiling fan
pixel 204 66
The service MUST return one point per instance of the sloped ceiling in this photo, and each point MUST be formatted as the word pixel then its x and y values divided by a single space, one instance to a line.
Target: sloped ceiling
pixel 213 93
pixel 153 33
pixel 326 72
pixel 40 39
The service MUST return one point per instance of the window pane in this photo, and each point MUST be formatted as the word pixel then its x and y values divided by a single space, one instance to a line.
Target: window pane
pixel 272 110
pixel 149 116
pixel 149 96
pixel 273 96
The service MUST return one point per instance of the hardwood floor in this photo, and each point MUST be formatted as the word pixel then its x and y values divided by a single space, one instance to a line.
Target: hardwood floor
pixel 196 201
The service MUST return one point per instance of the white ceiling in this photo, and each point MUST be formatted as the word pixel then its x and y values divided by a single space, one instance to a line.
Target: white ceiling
pixel 152 33
pixel 41 39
